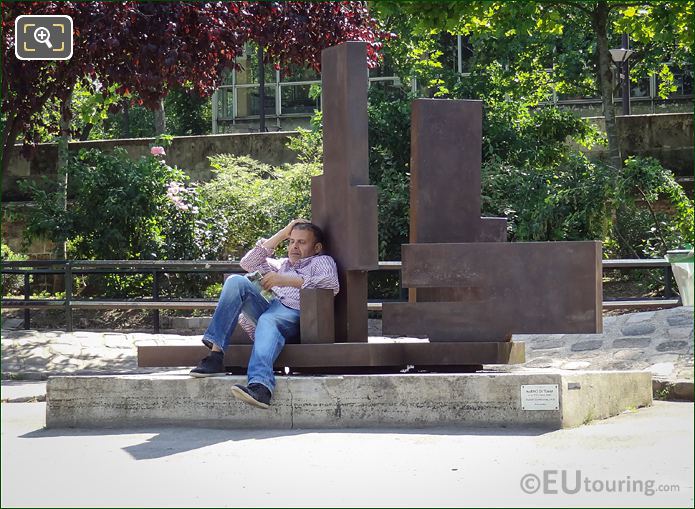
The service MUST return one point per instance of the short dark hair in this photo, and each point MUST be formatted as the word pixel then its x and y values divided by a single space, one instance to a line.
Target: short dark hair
pixel 318 234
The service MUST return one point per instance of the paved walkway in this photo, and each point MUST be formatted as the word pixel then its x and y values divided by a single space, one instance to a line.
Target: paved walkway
pixel 641 458
pixel 657 341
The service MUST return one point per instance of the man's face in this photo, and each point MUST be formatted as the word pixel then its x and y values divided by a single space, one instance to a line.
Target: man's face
pixel 302 245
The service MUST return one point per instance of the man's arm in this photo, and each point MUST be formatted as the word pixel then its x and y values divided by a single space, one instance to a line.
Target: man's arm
pixel 274 279
pixel 282 235
pixel 256 258
pixel 324 274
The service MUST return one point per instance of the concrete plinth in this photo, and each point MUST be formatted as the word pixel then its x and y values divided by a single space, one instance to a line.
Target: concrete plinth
pixel 348 401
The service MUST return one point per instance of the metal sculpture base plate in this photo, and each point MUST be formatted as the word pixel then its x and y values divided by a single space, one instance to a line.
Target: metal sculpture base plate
pixel 334 356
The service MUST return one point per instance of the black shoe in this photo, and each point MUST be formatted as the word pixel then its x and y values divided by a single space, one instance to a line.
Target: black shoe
pixel 255 394
pixel 212 365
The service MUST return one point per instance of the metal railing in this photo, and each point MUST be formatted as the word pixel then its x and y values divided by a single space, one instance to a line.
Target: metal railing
pixel 70 268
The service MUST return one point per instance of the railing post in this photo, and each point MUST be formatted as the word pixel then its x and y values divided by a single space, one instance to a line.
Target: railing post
pixel 403 291
pixel 155 297
pixel 27 315
pixel 68 296
pixel 668 293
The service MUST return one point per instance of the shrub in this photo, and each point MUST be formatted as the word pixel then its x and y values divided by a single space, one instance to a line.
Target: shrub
pixel 11 284
pixel 309 143
pixel 120 209
pixel 389 166
pixel 571 200
pixel 653 213
pixel 250 199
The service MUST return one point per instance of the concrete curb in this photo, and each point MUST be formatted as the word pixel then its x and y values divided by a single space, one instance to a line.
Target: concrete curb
pixel 25 399
pixel 551 399
pixel 662 390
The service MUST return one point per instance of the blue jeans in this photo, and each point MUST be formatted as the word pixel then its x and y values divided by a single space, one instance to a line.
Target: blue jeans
pixel 275 323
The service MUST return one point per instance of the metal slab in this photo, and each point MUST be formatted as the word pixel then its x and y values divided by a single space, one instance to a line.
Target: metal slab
pixel 500 289
pixel 344 104
pixel 492 229
pixel 342 202
pixel 446 146
pixel 351 313
pixel 479 321
pixel 347 355
pixel 348 217
pixel 316 321
pixel 503 289
pixel 506 265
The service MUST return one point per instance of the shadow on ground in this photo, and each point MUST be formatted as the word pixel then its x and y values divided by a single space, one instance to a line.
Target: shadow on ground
pixel 168 441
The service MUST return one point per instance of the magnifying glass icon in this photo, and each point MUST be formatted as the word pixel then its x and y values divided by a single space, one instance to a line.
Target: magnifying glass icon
pixel 43 36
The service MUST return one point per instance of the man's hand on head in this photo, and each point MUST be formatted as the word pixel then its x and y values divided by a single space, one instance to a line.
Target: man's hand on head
pixel 288 229
pixel 282 235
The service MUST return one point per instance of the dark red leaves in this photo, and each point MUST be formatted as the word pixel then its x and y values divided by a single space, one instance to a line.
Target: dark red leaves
pixel 148 47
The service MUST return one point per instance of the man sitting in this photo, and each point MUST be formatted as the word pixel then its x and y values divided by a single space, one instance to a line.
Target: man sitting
pixel 269 323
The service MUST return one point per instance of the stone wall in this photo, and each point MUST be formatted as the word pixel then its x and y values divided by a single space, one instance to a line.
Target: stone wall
pixel 190 153
pixel 667 137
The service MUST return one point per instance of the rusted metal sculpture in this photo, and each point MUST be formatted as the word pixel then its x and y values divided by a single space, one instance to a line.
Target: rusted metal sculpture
pixel 469 288
pixel 466 283
pixel 342 202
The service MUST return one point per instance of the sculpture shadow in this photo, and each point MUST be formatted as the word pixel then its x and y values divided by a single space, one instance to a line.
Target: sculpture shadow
pixel 170 440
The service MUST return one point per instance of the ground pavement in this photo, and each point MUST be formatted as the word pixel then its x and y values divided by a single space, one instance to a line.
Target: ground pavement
pixel 641 458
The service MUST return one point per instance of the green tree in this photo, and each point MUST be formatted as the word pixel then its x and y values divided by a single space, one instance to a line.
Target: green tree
pixel 513 43
pixel 187 113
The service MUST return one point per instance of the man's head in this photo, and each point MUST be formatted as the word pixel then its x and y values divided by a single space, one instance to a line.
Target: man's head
pixel 306 239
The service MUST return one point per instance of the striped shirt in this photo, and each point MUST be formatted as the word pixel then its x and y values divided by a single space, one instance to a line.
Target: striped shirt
pixel 317 271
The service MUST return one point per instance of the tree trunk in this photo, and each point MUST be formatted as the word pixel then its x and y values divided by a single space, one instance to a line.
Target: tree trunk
pixel 160 121
pixel 84 135
pixel 62 165
pixel 261 91
pixel 126 120
pixel 626 78
pixel 9 137
pixel 599 21
pixel 60 252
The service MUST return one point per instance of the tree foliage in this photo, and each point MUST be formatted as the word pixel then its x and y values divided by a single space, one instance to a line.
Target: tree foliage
pixel 143 49
pixel 512 44
pixel 255 199
pixel 119 208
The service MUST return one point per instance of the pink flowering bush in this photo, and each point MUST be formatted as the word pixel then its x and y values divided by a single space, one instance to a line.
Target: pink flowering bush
pixel 182 196
pixel 157 151
pixel 122 208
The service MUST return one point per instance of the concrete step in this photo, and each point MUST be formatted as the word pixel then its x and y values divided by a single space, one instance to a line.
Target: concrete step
pixel 550 399
pixel 185 322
